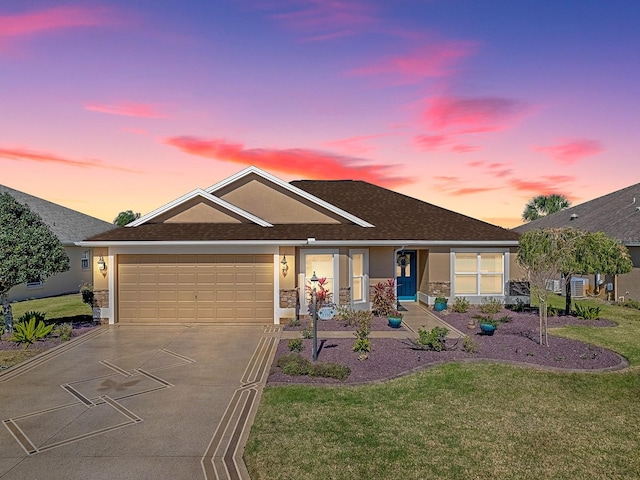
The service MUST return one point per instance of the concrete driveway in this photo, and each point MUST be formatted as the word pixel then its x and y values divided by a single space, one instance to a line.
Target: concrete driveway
pixel 136 402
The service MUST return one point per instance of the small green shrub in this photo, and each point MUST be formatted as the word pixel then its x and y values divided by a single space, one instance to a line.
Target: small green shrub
pixel 487 320
pixel 490 306
pixel 519 306
pixel 295 345
pixel 469 345
pixel 307 332
pixel 504 319
pixel 587 312
pixel 293 322
pixel 631 303
pixel 460 305
pixel 63 331
pixel 433 339
pixel 86 290
pixel 26 316
pixel 362 345
pixel 30 332
pixel 329 370
pixel 553 311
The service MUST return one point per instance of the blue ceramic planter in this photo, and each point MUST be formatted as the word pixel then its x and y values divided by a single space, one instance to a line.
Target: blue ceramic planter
pixel 394 322
pixel 487 329
pixel 440 306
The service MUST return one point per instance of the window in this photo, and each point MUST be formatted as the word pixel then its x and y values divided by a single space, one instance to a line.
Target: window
pixel 359 276
pixel 35 284
pixel 85 260
pixel 479 273
pixel 325 265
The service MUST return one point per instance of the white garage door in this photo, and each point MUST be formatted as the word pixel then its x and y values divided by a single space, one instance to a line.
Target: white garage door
pixel 195 288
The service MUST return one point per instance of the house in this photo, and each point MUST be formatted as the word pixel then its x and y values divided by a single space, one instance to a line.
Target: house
pixel 244 249
pixel 618 215
pixel 70 227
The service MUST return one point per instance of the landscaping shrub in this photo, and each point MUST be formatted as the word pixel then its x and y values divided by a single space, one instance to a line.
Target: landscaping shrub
pixel 553 311
pixel 30 332
pixel 307 332
pixel 63 331
pixel 487 320
pixel 353 317
pixel 433 339
pixel 384 297
pixel 293 322
pixel 490 306
pixel 469 345
pixel 295 345
pixel 26 316
pixel 631 303
pixel 362 344
pixel 504 319
pixel 586 312
pixel 329 370
pixel 294 364
pixel 519 306
pixel 86 290
pixel 460 305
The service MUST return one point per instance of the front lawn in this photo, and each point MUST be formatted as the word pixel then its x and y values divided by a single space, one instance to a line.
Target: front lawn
pixel 466 421
pixel 62 309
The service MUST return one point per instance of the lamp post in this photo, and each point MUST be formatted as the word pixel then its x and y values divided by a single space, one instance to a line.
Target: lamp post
pixel 314 315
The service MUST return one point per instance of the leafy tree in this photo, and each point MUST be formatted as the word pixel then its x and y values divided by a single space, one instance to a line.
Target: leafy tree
pixel 544 205
pixel 29 251
pixel 546 254
pixel 125 218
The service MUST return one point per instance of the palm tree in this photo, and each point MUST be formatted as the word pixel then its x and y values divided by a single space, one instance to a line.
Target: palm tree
pixel 543 205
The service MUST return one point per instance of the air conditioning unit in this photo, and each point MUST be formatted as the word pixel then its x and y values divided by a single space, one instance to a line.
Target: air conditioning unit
pixel 553 286
pixel 579 287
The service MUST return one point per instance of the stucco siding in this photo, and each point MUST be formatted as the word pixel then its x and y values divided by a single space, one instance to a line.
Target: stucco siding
pixel 66 282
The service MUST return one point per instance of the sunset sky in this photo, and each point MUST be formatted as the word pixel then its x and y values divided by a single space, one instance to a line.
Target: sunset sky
pixel 475 106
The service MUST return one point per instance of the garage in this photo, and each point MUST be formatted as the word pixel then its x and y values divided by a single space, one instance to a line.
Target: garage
pixel 195 288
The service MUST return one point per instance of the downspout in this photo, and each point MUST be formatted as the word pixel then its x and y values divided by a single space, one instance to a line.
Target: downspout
pixel 395 277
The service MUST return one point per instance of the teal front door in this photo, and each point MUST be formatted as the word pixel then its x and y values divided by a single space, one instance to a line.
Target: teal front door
pixel 406 275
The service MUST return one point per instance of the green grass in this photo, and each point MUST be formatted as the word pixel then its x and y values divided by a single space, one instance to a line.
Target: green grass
pixel 461 421
pixel 58 309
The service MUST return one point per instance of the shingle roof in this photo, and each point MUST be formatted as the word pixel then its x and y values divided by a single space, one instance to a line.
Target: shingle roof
pixel 395 216
pixel 68 225
pixel 617 214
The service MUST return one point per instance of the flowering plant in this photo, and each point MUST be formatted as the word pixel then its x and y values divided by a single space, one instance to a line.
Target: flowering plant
pixel 396 314
pixel 323 294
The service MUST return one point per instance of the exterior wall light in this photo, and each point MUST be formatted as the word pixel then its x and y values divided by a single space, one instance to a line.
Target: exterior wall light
pixel 102 265
pixel 284 267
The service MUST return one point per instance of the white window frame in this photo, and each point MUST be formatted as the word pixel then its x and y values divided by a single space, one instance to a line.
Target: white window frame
pixel 304 276
pixel 35 285
pixel 85 257
pixel 365 275
pixel 478 274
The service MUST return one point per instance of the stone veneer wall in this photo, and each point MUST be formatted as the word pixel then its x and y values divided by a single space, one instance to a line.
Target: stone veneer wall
pixel 439 289
pixel 288 298
pixel 100 301
pixel 345 296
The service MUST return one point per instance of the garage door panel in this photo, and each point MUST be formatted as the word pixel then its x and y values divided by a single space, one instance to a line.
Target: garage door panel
pixel 186 288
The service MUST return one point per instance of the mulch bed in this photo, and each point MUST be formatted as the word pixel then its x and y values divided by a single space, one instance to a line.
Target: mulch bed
pixel 378 324
pixel 516 341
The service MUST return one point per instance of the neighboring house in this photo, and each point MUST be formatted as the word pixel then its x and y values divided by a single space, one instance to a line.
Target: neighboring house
pixel 70 227
pixel 244 249
pixel 616 214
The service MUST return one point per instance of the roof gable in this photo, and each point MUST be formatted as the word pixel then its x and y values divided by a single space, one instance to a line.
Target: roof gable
pixel 181 205
pixel 303 207
pixel 68 225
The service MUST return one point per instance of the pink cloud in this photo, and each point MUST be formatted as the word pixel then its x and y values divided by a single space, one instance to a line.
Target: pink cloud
pixel 324 20
pixel 127 109
pixel 462 148
pixel 547 184
pixel 431 142
pixel 473 190
pixel 55 18
pixel 472 115
pixel 435 60
pixel 22 154
pixel 308 163
pixel 355 145
pixel 572 151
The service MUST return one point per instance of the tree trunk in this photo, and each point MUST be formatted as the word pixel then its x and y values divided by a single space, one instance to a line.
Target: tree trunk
pixel 8 313
pixel 567 295
pixel 540 310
